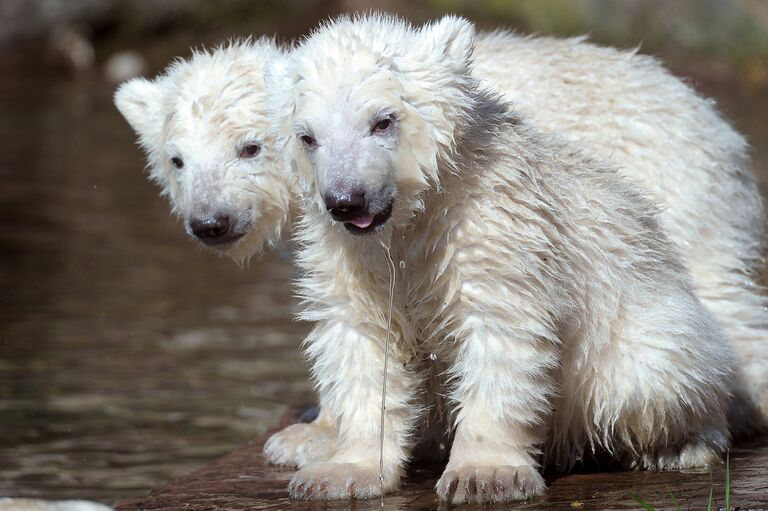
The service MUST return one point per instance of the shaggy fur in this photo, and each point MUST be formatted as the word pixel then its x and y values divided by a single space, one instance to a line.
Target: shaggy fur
pixel 559 314
pixel 626 108
pixel 204 111
pixel 618 105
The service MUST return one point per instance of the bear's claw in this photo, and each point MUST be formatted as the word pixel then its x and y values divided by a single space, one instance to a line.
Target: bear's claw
pixel 334 481
pixel 490 484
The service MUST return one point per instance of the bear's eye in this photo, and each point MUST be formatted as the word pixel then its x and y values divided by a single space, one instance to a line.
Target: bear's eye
pixel 250 150
pixel 177 162
pixel 382 125
pixel 308 141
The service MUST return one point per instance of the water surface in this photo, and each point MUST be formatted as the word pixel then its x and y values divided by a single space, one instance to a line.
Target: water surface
pixel 127 354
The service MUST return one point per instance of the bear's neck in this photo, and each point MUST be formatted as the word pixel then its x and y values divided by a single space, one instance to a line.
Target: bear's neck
pixel 485 127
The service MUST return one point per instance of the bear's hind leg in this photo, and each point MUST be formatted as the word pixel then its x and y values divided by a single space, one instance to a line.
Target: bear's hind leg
pixel 699 451
pixel 657 394
pixel 742 310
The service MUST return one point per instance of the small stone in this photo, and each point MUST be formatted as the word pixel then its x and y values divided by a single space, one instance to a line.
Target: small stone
pixel 44 505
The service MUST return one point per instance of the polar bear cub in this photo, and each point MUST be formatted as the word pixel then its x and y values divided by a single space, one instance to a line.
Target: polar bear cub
pixel 203 124
pixel 560 314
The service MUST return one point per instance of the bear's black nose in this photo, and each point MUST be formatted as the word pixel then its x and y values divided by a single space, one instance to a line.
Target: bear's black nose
pixel 345 205
pixel 210 229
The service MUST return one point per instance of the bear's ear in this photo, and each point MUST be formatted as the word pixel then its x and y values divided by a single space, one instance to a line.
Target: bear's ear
pixel 453 38
pixel 140 102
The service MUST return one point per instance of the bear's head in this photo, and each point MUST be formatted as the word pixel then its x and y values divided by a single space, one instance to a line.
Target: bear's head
pixel 211 148
pixel 372 108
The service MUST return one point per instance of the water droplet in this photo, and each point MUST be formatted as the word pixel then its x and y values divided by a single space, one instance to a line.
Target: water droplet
pixel 392 274
pixel 441 446
pixel 432 357
pixel 402 265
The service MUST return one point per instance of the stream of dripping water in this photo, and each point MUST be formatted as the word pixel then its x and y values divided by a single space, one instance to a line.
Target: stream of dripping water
pixel 391 265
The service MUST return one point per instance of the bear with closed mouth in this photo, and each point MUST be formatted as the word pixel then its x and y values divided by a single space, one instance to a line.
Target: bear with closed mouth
pixel 210 146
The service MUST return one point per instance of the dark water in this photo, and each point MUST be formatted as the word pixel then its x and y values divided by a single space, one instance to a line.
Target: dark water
pixel 127 354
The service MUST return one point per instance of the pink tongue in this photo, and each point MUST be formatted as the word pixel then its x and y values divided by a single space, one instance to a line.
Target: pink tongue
pixel 363 221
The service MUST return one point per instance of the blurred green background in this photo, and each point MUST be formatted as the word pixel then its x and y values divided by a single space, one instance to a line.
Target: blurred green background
pixel 717 39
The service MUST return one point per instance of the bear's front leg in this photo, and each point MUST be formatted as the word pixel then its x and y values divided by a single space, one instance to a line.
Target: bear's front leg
pixel 348 365
pixel 502 373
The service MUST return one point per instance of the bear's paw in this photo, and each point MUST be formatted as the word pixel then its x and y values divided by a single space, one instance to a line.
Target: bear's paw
pixel 476 484
pixel 335 481
pixel 300 444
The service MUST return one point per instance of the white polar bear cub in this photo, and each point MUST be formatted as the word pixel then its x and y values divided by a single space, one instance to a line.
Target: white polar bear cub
pixel 559 312
pixel 211 147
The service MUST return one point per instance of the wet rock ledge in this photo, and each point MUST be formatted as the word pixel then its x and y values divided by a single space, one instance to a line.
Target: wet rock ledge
pixel 242 480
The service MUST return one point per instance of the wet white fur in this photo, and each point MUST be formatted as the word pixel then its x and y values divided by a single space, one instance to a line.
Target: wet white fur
pixel 560 313
pixel 204 110
pixel 619 105
pixel 624 107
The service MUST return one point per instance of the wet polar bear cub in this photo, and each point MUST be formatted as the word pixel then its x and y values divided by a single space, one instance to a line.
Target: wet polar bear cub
pixel 561 317
pixel 210 146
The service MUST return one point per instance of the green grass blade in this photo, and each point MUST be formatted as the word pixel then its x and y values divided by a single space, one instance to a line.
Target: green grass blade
pixel 643 503
pixel 709 504
pixel 674 500
pixel 728 481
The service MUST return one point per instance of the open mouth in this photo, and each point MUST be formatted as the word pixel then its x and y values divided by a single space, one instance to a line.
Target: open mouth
pixel 366 224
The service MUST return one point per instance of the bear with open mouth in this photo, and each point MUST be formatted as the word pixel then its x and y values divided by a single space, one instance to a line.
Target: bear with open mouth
pixel 561 315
